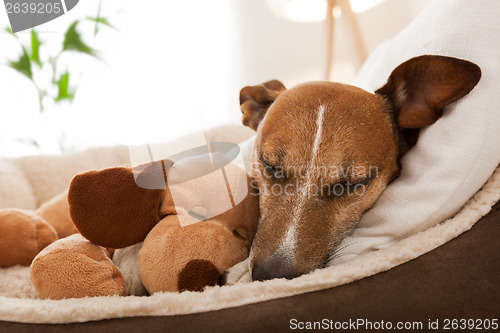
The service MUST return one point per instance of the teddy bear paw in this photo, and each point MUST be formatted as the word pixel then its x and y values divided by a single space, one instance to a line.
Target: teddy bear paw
pixel 23 235
pixel 73 267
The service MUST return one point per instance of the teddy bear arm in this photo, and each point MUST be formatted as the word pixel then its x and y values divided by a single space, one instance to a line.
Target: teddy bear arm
pixel 56 213
pixel 73 268
pixel 23 235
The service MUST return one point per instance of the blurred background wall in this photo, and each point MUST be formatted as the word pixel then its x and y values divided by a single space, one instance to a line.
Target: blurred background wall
pixel 295 52
pixel 168 68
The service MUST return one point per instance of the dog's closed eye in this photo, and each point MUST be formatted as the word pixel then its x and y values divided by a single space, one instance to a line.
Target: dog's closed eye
pixel 271 169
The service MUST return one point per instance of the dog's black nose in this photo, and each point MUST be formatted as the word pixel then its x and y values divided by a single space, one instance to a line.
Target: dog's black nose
pixel 272 268
pixel 259 273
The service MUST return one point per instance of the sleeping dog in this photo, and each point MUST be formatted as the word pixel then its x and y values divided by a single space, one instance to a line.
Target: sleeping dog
pixel 324 152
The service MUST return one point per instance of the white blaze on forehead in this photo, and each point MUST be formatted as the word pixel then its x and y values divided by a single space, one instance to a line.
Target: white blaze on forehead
pixel 319 132
pixel 287 247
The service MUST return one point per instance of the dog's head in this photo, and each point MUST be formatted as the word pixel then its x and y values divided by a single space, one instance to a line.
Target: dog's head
pixel 326 151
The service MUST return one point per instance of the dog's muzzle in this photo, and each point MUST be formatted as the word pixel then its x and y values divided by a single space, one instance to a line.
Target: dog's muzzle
pixel 273 267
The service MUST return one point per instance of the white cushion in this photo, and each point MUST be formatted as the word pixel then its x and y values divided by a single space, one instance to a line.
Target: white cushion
pixel 51 175
pixel 453 157
pixel 15 188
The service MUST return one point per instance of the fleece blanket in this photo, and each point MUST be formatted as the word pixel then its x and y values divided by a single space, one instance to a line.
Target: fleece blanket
pixel 19 302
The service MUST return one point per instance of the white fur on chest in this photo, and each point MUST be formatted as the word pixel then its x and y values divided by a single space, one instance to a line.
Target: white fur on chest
pixel 127 261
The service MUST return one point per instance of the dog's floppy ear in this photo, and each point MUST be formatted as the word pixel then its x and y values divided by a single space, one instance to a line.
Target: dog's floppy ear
pixel 419 88
pixel 117 207
pixel 255 100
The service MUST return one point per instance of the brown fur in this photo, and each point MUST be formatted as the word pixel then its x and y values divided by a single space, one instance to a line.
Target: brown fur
pixel 171 258
pixel 360 130
pixel 134 208
pixel 223 241
pixel 197 275
pixel 34 232
pixel 74 267
pixel 256 100
pixel 56 210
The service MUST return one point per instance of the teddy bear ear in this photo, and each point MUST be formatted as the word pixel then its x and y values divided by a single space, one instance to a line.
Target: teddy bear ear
pixel 117 207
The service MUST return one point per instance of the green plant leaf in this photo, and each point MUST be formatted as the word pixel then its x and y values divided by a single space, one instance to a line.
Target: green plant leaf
pixel 73 41
pixel 9 30
pixel 30 141
pixel 23 64
pixel 98 21
pixel 35 48
pixel 64 90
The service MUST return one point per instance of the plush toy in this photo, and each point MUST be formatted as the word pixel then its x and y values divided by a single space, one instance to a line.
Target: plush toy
pixel 24 233
pixel 166 241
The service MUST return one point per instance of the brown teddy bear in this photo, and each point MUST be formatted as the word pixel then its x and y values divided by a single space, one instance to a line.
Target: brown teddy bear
pixel 166 241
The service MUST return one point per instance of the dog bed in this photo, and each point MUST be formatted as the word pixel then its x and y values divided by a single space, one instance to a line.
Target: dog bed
pixel 434 287
pixel 20 303
pixel 440 279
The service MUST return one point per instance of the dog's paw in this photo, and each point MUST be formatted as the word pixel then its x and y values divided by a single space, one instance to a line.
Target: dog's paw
pixel 237 273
